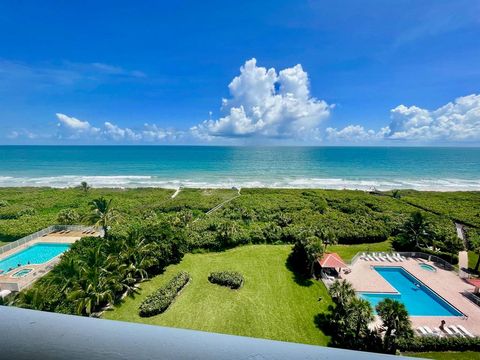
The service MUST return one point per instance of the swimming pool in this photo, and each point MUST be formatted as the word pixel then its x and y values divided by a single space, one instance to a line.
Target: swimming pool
pixel 428 267
pixel 419 299
pixel 22 273
pixel 36 254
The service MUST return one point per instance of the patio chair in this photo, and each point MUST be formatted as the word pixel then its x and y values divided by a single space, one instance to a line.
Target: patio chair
pixel 370 257
pixel 448 331
pixel 422 331
pixel 430 331
pixel 456 331
pixel 391 259
pixel 465 331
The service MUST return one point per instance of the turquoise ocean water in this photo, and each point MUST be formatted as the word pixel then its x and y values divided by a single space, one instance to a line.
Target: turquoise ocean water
pixel 197 166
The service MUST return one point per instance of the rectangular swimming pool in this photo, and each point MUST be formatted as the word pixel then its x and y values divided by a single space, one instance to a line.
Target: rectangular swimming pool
pixel 36 254
pixel 419 299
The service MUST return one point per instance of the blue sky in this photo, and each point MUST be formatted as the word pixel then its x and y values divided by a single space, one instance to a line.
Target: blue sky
pixel 370 72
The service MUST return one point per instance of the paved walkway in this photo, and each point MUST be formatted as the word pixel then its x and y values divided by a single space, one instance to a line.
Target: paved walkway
pixel 445 283
pixel 462 255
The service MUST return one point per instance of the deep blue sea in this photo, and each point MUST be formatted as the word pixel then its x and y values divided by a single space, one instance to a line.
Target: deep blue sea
pixel 207 166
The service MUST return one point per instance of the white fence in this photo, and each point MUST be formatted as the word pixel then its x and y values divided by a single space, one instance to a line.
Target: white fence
pixel 26 239
pixel 413 254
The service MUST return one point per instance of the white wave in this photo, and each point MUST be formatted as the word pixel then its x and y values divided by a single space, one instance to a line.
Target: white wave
pixel 130 181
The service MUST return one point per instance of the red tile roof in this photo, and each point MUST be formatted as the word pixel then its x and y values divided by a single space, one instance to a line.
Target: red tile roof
pixel 332 260
pixel 474 282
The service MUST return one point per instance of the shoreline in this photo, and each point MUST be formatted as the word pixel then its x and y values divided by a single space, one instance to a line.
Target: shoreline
pixel 141 181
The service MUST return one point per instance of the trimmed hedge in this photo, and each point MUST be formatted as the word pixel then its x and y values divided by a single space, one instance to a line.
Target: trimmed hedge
pixel 231 279
pixel 160 300
pixel 431 343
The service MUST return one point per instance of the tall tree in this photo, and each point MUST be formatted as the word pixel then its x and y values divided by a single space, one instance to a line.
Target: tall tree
pixel 416 230
pixel 102 214
pixel 84 186
pixel 395 322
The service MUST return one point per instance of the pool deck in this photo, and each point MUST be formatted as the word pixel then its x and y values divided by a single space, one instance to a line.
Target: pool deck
pixel 38 270
pixel 445 283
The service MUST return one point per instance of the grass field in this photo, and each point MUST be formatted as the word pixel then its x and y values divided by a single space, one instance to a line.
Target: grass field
pixel 472 259
pixel 272 304
pixel 447 355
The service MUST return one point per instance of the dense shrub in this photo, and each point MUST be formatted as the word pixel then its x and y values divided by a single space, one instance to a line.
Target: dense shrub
pixel 68 217
pixel 231 279
pixel 160 300
pixel 431 343
pixel 3 203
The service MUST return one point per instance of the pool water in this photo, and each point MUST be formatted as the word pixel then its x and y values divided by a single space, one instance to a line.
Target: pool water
pixel 21 273
pixel 428 267
pixel 416 296
pixel 36 254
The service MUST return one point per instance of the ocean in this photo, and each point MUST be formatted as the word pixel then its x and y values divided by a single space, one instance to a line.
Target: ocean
pixel 383 168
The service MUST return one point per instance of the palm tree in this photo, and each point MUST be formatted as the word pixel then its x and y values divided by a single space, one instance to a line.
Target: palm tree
pixel 360 314
pixel 102 214
pixel 326 236
pixel 396 323
pixel 84 186
pixel 342 293
pixel 95 288
pixel 314 251
pixel 416 229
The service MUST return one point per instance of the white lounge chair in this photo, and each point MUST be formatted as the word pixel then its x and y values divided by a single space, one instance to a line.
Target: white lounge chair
pixel 422 331
pixel 390 258
pixel 401 257
pixel 456 331
pixel 375 257
pixel 448 331
pixel 370 257
pixel 430 331
pixel 396 257
pixel 465 331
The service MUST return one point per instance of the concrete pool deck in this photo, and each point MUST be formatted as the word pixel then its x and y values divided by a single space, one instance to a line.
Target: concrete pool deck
pixel 445 283
pixel 7 282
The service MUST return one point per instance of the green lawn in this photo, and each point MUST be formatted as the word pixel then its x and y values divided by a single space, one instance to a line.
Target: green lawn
pixel 271 304
pixel 447 355
pixel 472 259
pixel 347 252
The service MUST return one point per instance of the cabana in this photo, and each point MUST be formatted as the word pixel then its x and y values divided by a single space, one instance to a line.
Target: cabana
pixel 329 264
pixel 476 283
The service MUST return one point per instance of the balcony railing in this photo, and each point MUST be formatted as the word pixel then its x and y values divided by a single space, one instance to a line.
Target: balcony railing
pixel 28 334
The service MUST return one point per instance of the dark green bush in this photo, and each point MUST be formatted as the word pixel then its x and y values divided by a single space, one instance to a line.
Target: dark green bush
pixel 231 279
pixel 160 300
pixel 431 343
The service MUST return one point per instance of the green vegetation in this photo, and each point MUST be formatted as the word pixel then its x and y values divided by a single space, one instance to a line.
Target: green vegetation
pixel 461 206
pixel 446 355
pixel 161 299
pixel 348 322
pixel 432 343
pixel 273 303
pixel 231 279
pixel 150 237
pixel 418 233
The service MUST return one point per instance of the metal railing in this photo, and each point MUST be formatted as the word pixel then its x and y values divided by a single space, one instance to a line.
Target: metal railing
pixel 29 334
pixel 439 262
pixel 28 238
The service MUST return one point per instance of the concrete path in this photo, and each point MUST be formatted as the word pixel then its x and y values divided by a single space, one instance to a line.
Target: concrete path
pixel 176 193
pixel 462 255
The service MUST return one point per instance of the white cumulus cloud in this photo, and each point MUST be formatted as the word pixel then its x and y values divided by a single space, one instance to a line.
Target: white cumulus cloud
pixel 457 121
pixel 266 104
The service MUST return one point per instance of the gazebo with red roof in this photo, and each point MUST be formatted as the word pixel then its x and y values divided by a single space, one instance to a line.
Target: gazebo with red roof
pixel 332 261
pixel 476 283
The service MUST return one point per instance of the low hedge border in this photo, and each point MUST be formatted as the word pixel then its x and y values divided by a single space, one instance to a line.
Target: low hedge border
pixel 431 343
pixel 161 299
pixel 231 279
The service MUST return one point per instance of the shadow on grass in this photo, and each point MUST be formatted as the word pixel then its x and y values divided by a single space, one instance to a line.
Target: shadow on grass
pixel 322 322
pixel 298 276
